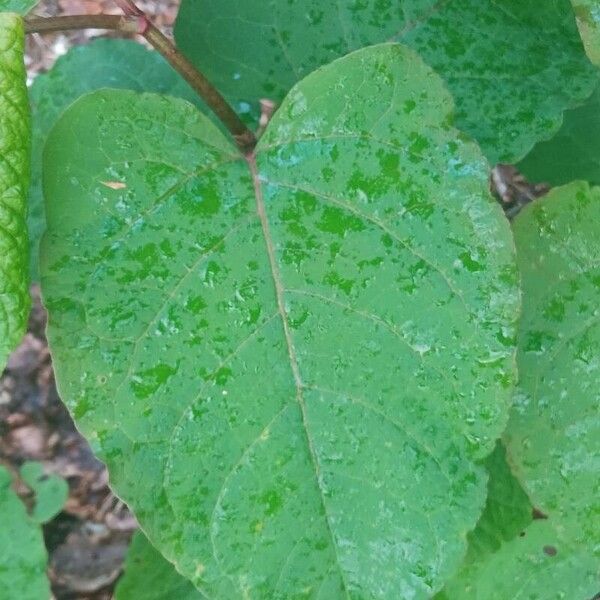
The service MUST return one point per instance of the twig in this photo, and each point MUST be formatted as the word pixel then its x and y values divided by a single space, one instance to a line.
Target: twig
pixel 135 21
pixel 114 22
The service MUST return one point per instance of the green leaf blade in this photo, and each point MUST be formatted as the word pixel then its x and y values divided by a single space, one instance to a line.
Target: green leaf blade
pixel 21 7
pixel 508 509
pixel 573 152
pixel 588 21
pixel 23 559
pixel 507 514
pixel 51 491
pixel 239 352
pixel 15 137
pixel 527 567
pixel 485 51
pixel 103 63
pixel 149 576
pixel 553 436
pixel 558 243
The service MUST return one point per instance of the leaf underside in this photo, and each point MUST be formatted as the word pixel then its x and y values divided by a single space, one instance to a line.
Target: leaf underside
pixel 512 66
pixel 103 63
pixel 23 557
pixel 148 576
pixel 553 436
pixel 289 362
pixel 14 174
pixel 573 153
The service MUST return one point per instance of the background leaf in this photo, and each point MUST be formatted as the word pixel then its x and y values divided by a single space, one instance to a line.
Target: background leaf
pixel 102 63
pixel 512 66
pixel 543 564
pixel 507 513
pixel 51 491
pixel 21 7
pixel 588 21
pixel 23 557
pixel 573 153
pixel 149 576
pixel 14 175
pixel 553 435
pixel 288 366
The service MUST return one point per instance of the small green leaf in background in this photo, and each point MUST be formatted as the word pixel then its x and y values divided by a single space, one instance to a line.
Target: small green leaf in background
pixel 513 66
pixel 148 576
pixel 290 366
pixel 588 21
pixel 507 510
pixel 553 437
pixel 573 153
pixel 112 63
pixel 51 491
pixel 21 7
pixel 507 513
pixel 15 137
pixel 23 556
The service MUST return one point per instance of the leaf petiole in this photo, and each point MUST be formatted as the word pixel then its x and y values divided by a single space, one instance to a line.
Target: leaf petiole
pixel 136 21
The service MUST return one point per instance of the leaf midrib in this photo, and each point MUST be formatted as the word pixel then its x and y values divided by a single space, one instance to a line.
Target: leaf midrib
pixel 293 358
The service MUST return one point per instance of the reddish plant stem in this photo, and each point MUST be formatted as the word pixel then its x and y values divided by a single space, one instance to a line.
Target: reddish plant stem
pixel 135 21
pixel 244 138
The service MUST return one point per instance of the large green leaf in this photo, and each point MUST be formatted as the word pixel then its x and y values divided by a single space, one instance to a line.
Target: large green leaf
pixel 17 6
pixel 112 63
pixel 23 557
pixel 148 576
pixel 553 435
pixel 513 66
pixel 573 153
pixel 14 176
pixel 289 361
pixel 588 21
